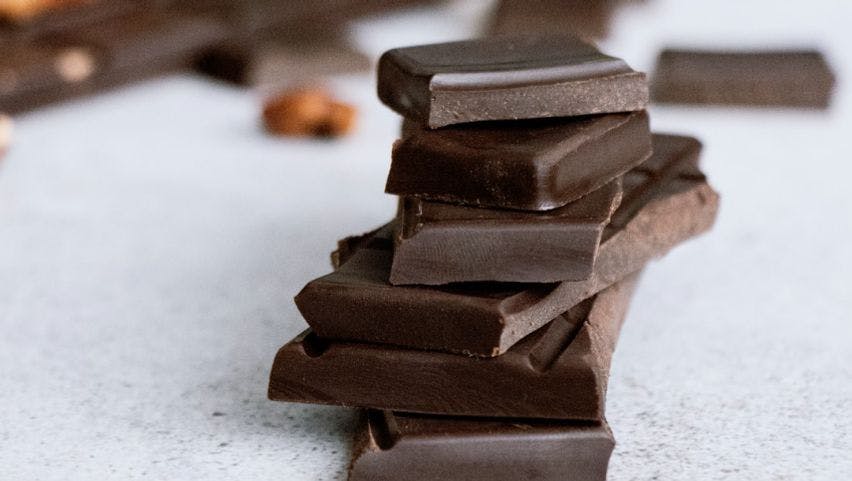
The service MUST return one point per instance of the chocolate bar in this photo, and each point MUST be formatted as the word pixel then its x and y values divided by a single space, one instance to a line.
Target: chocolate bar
pixel 397 446
pixel 507 78
pixel 438 243
pixel 796 78
pixel 102 43
pixel 485 319
pixel 558 372
pixel 587 19
pixel 531 165
pixel 273 63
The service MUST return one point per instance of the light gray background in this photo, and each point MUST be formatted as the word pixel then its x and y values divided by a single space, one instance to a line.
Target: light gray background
pixel 152 239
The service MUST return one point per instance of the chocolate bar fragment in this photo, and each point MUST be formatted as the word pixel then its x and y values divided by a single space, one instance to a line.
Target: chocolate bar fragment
pixel 558 372
pixel 588 19
pixel 275 64
pixel 507 78
pixel 394 446
pixel 486 319
pixel 438 243
pixel 771 78
pixel 531 165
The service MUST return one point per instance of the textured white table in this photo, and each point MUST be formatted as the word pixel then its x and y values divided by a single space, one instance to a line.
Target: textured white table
pixel 152 239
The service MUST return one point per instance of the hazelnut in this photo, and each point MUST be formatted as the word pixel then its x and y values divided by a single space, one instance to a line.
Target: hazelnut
pixel 308 112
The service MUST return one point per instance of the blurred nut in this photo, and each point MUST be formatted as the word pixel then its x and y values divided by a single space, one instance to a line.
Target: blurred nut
pixel 308 112
pixel 75 64
pixel 6 128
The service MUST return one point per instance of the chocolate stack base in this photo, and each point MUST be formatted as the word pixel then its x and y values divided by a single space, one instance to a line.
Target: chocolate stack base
pixel 393 446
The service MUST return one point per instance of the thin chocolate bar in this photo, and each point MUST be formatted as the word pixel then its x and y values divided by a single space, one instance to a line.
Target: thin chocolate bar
pixel 507 78
pixel 588 19
pixel 486 319
pixel 558 372
pixel 438 243
pixel 794 78
pixel 530 165
pixel 395 446
pixel 272 63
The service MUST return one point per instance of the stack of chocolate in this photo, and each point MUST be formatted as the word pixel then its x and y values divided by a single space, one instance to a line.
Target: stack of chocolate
pixel 478 326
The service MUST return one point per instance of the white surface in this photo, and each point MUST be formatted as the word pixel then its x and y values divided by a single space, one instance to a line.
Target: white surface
pixel 151 241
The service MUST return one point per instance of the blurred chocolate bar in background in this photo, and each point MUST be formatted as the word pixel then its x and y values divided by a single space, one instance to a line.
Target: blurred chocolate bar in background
pixel 55 50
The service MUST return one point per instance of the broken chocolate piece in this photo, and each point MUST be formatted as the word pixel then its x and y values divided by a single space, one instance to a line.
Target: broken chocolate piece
pixel 588 19
pixel 507 78
pixel 486 319
pixel 558 372
pixel 770 78
pixel 531 165
pixel 396 446
pixel 439 243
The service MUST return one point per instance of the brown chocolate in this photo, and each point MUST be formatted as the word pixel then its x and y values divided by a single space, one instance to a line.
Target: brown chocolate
pixel 558 372
pixel 531 165
pixel 796 78
pixel 589 19
pixel 507 78
pixel 397 446
pixel 485 319
pixel 438 243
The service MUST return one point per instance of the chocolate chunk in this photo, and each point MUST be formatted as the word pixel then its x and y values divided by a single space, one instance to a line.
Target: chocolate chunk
pixel 507 78
pixel 275 64
pixel 771 78
pixel 531 165
pixel 558 372
pixel 486 319
pixel 588 19
pixel 397 446
pixel 439 243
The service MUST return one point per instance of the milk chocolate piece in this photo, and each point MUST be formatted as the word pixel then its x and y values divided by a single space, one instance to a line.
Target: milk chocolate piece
pixel 531 165
pixel 485 319
pixel 770 78
pixel 395 446
pixel 558 372
pixel 507 78
pixel 439 243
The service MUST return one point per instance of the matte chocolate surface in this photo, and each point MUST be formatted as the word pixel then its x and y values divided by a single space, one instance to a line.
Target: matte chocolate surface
pixel 395 446
pixel 485 319
pixel 772 78
pixel 507 78
pixel 587 19
pixel 439 243
pixel 558 372
pixel 531 165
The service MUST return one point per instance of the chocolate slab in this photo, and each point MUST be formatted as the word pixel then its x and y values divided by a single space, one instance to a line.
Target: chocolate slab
pixel 105 43
pixel 485 319
pixel 394 446
pixel 770 78
pixel 530 165
pixel 438 243
pixel 558 372
pixel 589 19
pixel 273 63
pixel 507 78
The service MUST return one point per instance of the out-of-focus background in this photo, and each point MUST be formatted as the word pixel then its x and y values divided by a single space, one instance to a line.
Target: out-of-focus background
pixel 152 239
